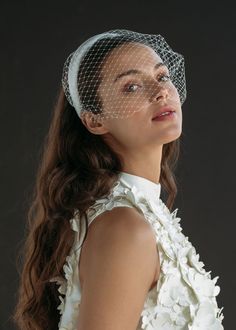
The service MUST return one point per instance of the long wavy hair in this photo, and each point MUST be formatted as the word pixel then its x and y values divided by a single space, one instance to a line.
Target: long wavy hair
pixel 76 168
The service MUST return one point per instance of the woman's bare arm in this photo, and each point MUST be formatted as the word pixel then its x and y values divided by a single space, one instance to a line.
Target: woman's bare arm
pixel 121 265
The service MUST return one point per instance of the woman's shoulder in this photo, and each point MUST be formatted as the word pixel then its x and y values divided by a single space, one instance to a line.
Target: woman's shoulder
pixel 123 220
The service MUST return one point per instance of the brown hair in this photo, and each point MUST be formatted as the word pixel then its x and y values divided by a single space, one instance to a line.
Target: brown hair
pixel 76 168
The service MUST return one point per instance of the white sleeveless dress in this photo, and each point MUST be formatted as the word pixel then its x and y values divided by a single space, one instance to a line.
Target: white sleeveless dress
pixel 185 295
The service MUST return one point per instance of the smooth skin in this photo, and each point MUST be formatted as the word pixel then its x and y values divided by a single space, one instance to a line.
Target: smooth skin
pixel 119 260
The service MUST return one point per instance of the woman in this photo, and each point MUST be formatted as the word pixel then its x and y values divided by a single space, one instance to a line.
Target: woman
pixel 113 143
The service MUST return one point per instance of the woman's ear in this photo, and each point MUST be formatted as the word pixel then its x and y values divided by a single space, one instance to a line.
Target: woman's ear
pixel 92 123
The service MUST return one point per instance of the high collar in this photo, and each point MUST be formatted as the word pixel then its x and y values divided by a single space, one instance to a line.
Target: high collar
pixel 150 189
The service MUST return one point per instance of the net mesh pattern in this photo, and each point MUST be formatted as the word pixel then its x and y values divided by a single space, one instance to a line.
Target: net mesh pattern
pixel 94 77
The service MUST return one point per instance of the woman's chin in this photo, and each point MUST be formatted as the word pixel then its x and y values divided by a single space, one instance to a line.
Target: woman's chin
pixel 170 137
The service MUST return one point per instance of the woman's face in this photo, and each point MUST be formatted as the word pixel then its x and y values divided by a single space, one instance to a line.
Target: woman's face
pixel 136 97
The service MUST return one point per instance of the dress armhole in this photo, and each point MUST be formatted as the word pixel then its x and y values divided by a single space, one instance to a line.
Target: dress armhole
pixel 94 211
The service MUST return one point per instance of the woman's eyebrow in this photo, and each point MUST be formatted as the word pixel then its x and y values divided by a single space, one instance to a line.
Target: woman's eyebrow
pixel 135 71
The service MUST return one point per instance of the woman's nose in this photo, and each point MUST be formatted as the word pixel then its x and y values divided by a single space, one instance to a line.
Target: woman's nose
pixel 161 92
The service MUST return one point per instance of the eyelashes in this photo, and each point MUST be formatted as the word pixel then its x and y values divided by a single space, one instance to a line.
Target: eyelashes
pixel 128 87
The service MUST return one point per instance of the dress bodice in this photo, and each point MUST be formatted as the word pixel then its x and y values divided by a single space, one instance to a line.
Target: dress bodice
pixel 184 297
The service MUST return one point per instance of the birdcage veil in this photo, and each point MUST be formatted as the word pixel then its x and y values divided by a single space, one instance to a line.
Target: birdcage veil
pixel 84 70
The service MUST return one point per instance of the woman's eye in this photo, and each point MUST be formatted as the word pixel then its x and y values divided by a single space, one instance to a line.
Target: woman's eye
pixel 166 76
pixel 131 87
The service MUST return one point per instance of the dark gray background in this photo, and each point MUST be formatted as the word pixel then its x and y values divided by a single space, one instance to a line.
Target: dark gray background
pixel 36 38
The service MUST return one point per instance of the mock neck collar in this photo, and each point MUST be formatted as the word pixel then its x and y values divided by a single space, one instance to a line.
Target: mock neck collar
pixel 150 189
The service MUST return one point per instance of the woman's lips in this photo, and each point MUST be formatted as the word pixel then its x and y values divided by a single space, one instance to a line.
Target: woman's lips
pixel 169 116
pixel 165 108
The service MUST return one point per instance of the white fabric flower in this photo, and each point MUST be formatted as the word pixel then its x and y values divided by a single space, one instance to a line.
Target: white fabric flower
pixel 205 318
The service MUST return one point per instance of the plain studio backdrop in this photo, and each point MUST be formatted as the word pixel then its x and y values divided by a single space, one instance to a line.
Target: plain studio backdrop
pixel 37 37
